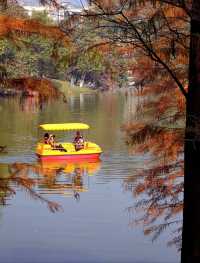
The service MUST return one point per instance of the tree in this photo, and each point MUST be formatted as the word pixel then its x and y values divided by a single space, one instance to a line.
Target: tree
pixel 191 214
pixel 159 202
pixel 29 48
pixel 94 64
pixel 161 31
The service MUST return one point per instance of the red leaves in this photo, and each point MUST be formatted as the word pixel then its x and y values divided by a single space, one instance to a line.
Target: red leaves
pixel 37 87
pixel 17 25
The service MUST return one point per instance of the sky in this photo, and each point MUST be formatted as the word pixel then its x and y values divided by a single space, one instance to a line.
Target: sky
pixel 35 2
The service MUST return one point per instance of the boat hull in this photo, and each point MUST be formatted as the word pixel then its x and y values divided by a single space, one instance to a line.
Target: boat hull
pixel 91 151
pixel 94 156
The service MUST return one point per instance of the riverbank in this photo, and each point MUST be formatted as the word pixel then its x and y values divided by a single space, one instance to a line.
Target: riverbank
pixel 68 90
pixel 44 88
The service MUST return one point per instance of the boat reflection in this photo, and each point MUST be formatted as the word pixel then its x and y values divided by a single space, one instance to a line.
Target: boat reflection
pixel 66 178
pixel 42 178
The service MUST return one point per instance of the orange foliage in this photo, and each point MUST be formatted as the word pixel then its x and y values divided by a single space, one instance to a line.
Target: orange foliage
pixel 156 37
pixel 17 25
pixel 159 191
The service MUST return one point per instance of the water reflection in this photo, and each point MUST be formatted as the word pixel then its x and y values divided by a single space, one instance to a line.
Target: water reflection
pixel 17 176
pixel 66 178
pixel 98 228
pixel 42 178
pixel 30 103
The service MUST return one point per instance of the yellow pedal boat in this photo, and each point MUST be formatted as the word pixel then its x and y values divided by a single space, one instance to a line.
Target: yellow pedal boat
pixel 67 150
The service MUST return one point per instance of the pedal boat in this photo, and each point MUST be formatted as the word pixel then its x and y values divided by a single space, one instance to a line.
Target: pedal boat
pixel 45 152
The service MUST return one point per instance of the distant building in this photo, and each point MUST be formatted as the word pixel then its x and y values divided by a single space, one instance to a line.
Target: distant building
pixel 31 9
pixel 56 13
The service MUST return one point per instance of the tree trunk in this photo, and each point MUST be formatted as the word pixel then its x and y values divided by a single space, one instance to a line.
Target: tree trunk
pixel 191 212
pixel 82 80
pixel 72 81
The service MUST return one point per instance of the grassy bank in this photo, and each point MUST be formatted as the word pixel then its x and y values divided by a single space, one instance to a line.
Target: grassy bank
pixel 69 90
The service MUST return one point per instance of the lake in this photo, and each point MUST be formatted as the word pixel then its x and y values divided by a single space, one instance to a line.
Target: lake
pixel 74 212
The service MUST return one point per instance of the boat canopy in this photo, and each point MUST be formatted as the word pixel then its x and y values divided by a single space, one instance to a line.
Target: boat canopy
pixel 64 126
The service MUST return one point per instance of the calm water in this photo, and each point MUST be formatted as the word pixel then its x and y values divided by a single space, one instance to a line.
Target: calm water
pixel 73 212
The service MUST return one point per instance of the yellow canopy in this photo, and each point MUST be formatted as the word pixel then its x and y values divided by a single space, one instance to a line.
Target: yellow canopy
pixel 64 126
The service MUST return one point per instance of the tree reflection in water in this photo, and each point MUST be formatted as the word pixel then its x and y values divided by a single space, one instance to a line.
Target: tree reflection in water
pixel 159 194
pixel 41 179
pixel 17 176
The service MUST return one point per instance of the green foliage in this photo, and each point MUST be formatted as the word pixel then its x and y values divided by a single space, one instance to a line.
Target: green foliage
pixel 36 56
pixel 91 61
pixel 42 16
pixel 95 56
pixel 33 56
pixel 7 54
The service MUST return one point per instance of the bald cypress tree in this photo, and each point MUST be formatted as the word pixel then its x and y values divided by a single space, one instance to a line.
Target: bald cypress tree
pixel 168 33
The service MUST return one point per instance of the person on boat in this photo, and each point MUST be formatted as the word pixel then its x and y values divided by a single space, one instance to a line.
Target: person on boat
pixel 46 138
pixel 51 140
pixel 55 145
pixel 78 141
